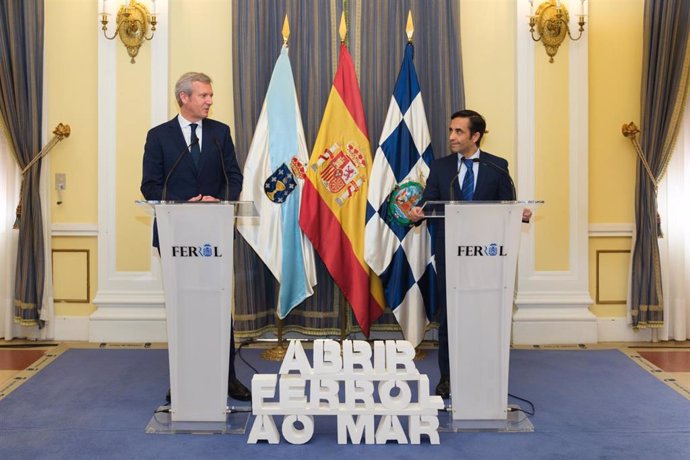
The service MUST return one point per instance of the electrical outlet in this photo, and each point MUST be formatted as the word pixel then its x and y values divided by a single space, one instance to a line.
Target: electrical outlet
pixel 60 181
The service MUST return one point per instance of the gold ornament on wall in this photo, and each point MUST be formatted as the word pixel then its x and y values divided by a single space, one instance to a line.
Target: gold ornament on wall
pixel 134 24
pixel 552 22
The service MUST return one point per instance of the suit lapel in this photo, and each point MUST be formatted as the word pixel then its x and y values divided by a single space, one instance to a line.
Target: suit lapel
pixel 207 147
pixel 451 169
pixel 457 186
pixel 482 181
pixel 180 144
pixel 176 134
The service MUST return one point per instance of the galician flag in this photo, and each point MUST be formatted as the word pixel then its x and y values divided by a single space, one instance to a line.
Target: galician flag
pixel 400 253
pixel 274 177
pixel 335 195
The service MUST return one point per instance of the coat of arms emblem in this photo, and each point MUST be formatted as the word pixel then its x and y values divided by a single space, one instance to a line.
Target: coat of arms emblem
pixel 343 171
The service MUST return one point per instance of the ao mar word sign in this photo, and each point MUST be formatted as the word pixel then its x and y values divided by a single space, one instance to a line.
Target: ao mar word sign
pixel 355 383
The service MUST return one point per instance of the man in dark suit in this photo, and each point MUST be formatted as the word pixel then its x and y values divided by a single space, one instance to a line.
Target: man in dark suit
pixel 468 173
pixel 202 154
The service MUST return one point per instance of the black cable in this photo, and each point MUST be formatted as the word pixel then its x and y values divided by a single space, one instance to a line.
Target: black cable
pixel 158 420
pixel 534 410
pixel 238 353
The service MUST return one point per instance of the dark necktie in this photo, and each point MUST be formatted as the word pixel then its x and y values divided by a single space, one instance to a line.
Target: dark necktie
pixel 195 150
pixel 468 181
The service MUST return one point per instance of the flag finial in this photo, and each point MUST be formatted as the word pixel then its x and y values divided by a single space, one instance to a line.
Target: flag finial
pixel 409 29
pixel 286 30
pixel 342 30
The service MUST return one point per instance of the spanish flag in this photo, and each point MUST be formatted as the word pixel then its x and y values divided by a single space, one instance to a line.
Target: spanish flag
pixel 334 200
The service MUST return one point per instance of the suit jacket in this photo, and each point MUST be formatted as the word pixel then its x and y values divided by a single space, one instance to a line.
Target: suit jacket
pixel 492 183
pixel 165 144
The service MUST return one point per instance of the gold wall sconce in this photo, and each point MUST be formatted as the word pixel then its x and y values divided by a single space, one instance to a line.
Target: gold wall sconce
pixel 134 24
pixel 551 20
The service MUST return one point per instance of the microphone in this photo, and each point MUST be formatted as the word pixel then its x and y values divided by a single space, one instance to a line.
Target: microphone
pixel 164 194
pixel 455 178
pixel 225 173
pixel 502 171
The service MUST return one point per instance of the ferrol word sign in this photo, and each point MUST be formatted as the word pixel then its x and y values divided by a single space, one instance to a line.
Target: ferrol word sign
pixel 344 382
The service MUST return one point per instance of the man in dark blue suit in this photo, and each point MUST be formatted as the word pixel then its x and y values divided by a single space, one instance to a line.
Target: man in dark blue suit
pixel 468 173
pixel 196 156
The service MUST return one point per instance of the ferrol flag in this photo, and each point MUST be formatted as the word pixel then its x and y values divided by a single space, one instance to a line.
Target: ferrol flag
pixel 400 253
pixel 334 200
pixel 274 178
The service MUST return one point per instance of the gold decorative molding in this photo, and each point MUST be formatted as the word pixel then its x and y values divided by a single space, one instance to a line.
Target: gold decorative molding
pixel 599 300
pixel 87 281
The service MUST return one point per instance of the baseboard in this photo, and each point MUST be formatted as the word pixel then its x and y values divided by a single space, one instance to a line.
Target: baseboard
pixel 71 328
pixel 554 333
pixel 150 327
pixel 617 329
pixel 128 325
pixel 554 326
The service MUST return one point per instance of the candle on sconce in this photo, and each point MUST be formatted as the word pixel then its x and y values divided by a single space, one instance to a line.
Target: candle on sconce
pixel 153 7
pixel 582 8
pixel 104 7
pixel 531 7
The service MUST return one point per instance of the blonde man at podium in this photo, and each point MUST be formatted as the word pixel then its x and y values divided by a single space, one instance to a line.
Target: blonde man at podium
pixel 467 174
pixel 192 158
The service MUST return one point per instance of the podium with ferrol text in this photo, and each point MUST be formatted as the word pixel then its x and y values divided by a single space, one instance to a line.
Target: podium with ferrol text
pixel 482 241
pixel 196 249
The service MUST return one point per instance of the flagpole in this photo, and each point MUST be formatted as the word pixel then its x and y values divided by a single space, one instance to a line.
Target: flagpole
pixel 276 353
pixel 409 31
pixel 343 322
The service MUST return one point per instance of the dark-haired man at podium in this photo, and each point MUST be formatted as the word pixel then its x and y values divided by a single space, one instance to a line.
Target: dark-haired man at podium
pixel 192 158
pixel 467 174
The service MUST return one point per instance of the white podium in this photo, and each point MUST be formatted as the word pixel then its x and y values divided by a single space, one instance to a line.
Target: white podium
pixel 481 247
pixel 196 248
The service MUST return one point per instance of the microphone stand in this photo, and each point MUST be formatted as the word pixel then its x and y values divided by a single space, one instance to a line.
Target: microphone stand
pixel 225 173
pixel 502 171
pixel 164 193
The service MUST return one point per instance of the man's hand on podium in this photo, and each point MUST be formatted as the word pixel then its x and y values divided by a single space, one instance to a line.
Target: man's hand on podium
pixel 526 215
pixel 416 214
pixel 204 198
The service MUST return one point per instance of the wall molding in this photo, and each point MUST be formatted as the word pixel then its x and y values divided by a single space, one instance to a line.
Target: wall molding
pixel 128 291
pixel 617 230
pixel 73 229
pixel 553 307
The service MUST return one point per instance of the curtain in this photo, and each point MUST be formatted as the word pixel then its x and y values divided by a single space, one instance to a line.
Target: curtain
pixel 257 42
pixel 664 85
pixel 437 59
pixel 674 196
pixel 9 190
pixel 376 39
pixel 21 84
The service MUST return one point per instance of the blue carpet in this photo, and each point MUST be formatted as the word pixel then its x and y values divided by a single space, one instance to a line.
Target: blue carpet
pixel 96 403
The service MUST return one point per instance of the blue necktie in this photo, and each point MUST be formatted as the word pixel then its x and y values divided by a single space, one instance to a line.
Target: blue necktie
pixel 195 150
pixel 468 181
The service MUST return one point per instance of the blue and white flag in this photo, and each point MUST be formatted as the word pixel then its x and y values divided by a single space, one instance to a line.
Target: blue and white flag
pixel 273 179
pixel 402 254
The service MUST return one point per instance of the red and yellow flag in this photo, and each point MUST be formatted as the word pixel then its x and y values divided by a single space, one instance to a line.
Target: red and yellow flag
pixel 334 199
